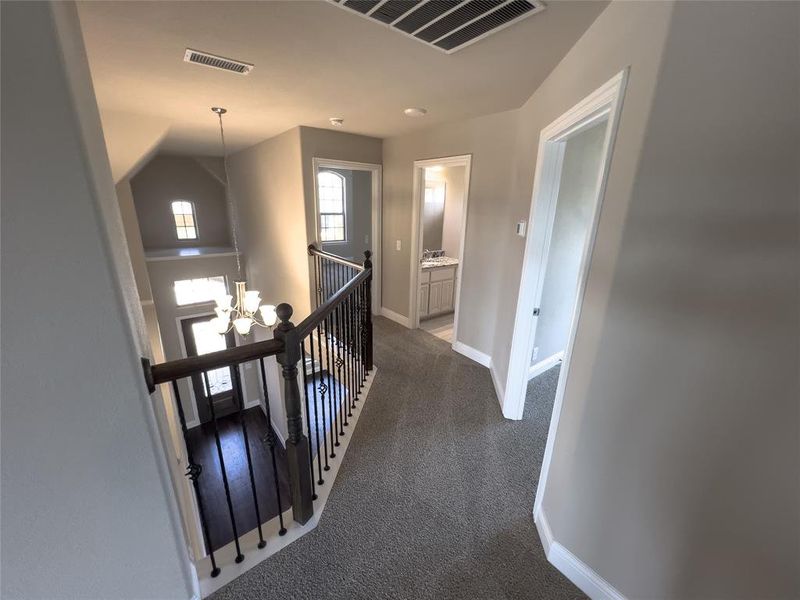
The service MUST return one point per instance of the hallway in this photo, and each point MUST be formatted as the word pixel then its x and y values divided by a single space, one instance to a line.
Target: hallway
pixel 435 494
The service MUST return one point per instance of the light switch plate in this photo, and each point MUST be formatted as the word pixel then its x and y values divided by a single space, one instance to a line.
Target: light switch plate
pixel 398 246
pixel 521 227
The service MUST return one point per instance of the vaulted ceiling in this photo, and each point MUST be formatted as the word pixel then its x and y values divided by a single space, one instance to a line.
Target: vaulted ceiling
pixel 313 61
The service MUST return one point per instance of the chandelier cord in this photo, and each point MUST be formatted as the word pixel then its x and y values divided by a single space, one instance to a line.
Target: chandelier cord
pixel 231 208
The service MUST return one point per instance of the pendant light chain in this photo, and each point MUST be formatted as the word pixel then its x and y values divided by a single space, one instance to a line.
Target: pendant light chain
pixel 247 310
pixel 231 208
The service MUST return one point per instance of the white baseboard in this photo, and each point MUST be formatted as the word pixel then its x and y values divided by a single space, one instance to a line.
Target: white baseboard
pixel 473 354
pixel 498 388
pixel 545 364
pixel 573 568
pixel 396 317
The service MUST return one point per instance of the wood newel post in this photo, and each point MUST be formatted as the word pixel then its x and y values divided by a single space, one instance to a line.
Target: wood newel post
pixel 368 316
pixel 297 455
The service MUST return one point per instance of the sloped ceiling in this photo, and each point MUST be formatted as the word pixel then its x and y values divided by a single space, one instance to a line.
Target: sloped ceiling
pixel 312 61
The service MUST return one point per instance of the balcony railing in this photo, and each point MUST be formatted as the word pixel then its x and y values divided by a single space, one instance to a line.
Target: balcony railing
pixel 333 347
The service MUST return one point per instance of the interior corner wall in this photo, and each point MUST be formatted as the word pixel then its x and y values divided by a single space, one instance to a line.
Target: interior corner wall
pixel 133 237
pixel 490 141
pixel 74 404
pixel 267 188
pixel 168 177
pixel 674 470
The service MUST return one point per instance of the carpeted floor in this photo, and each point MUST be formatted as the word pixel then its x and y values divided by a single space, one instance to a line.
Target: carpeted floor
pixel 435 494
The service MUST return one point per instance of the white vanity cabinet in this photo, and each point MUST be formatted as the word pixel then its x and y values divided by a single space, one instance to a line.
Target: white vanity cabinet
pixel 436 288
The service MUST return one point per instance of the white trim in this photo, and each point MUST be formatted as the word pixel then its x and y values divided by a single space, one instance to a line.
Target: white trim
pixel 376 240
pixel 479 357
pixel 462 160
pixel 253 556
pixel 498 388
pixel 577 571
pixel 605 102
pixel 545 364
pixel 187 256
pixel 396 317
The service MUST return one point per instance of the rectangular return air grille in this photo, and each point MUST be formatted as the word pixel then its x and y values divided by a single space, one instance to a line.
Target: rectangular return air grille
pixel 217 62
pixel 448 25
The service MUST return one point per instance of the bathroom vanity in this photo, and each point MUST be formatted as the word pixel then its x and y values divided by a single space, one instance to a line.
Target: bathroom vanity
pixel 437 282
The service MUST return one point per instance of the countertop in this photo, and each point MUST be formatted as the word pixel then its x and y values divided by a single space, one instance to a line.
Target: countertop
pixel 434 263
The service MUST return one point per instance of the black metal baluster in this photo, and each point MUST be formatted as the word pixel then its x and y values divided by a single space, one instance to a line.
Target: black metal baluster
pixel 193 471
pixel 240 397
pixel 317 286
pixel 316 409
pixel 269 439
pixel 350 388
pixel 323 389
pixel 368 323
pixel 339 362
pixel 333 394
pixel 361 375
pixel 352 348
pixel 308 415
pixel 239 555
pixel 345 377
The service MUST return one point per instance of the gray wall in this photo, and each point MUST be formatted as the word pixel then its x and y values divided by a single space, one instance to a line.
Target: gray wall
pixel 166 178
pixel 86 506
pixel 679 434
pixel 674 473
pixel 267 186
pixel 573 218
pixel 358 215
pixel 490 140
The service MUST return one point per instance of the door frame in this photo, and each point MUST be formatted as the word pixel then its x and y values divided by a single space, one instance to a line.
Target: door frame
pixel 248 403
pixel 461 160
pixel 605 103
pixel 318 163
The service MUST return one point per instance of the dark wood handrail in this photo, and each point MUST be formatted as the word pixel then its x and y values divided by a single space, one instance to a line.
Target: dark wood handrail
pixel 314 251
pixel 308 324
pixel 184 367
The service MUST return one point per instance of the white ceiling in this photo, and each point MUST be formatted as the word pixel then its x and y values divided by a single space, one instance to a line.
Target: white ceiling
pixel 312 61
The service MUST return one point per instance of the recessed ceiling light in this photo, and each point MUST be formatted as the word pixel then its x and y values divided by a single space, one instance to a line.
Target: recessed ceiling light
pixel 337 121
pixel 415 112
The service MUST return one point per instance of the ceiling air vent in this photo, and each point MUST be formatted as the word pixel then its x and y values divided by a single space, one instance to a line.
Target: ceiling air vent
pixel 217 62
pixel 447 25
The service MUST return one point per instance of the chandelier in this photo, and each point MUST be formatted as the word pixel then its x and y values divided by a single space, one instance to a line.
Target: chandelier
pixel 247 311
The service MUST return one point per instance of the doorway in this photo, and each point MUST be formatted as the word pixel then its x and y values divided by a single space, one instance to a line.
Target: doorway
pixel 441 197
pixel 573 160
pixel 347 215
pixel 200 338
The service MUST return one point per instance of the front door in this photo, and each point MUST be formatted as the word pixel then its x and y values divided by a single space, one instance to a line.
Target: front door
pixel 201 338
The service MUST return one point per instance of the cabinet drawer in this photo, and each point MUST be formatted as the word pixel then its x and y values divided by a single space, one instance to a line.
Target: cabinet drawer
pixel 443 274
pixel 424 276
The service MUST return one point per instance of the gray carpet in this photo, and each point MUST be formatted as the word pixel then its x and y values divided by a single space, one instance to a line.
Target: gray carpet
pixel 435 495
